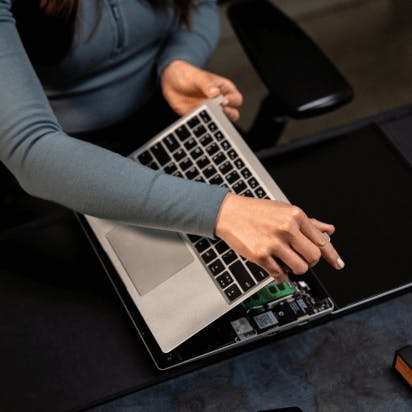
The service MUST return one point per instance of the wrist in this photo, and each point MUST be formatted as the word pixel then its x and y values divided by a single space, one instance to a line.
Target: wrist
pixel 173 67
pixel 222 226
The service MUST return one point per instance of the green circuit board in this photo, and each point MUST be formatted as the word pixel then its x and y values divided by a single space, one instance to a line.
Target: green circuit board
pixel 269 293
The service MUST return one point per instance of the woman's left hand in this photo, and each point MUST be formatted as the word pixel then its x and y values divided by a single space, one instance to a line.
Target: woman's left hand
pixel 185 87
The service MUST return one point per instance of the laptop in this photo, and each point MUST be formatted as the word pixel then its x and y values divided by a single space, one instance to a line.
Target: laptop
pixel 190 297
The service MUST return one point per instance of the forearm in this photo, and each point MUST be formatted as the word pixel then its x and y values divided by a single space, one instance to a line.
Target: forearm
pixel 51 165
pixel 95 181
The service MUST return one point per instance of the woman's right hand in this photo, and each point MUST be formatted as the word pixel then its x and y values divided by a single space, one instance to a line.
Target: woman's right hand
pixel 263 230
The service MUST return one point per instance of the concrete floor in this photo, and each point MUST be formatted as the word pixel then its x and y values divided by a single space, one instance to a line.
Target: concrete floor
pixel 368 40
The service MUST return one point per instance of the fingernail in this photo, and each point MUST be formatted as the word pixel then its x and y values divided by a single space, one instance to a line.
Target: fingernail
pixel 327 236
pixel 214 90
pixel 225 102
pixel 340 263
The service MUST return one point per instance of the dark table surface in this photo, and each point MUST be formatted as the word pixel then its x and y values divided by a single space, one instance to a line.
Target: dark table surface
pixel 343 365
pixel 56 304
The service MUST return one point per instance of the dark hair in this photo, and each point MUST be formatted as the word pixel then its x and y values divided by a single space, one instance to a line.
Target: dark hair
pixel 47 27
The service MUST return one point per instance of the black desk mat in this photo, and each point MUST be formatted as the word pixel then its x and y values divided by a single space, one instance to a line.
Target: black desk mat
pixel 358 182
pixel 66 341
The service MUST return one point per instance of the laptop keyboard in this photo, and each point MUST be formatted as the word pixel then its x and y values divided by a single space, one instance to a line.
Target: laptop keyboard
pixel 198 150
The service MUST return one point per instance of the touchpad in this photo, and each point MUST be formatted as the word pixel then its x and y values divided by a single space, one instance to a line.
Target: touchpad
pixel 149 256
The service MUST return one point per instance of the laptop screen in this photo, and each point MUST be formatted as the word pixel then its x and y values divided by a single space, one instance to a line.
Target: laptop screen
pixel 361 184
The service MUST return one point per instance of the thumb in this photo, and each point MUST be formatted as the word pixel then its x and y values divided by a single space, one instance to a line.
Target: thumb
pixel 208 87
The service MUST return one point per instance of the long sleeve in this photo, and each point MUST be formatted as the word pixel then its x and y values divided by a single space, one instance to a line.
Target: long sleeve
pixel 52 165
pixel 196 44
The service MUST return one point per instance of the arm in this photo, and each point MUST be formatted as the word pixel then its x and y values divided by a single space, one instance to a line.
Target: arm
pixel 51 165
pixel 194 45
pixel 91 180
pixel 184 84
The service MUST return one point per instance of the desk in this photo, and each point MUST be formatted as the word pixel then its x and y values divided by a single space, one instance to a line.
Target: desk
pixel 344 365
pixel 67 343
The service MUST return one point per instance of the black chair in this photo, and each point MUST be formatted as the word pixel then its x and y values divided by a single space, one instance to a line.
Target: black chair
pixel 301 80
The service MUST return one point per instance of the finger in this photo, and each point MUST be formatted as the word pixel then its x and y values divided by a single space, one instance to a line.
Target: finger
pixel 233 99
pixel 319 239
pixel 306 249
pixel 207 85
pixel 232 114
pixel 292 260
pixel 230 91
pixel 273 268
pixel 330 254
pixel 314 234
pixel 211 91
pixel 323 227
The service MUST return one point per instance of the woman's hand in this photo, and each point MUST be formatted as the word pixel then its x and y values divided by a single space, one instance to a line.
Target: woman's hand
pixel 263 230
pixel 185 87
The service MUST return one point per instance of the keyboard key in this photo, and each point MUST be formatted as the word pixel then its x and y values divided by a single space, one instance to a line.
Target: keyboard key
pixel 200 179
pixel 241 275
pixel 221 247
pixel 185 164
pixel 203 162
pixel 202 245
pixel 193 122
pixel 171 143
pixel 216 180
pixel 219 158
pixel 239 186
pixel 216 267
pixel 248 193
pixel 209 255
pixel 226 145
pixel 232 292
pixel 194 238
pixel 239 164
pixel 145 158
pixel 170 168
pixel 199 131
pixel 212 126
pixel 177 174
pixel 179 155
pixel 232 154
pixel 232 177
pixel 190 143
pixel 209 171
pixel 224 280
pixel 205 116
pixel 225 167
pixel 229 257
pixel 195 153
pixel 205 140
pixel 260 193
pixel 160 154
pixel 192 173
pixel 212 149
pixel 153 165
pixel 246 173
pixel 258 273
pixel 219 136
pixel 253 183
pixel 182 133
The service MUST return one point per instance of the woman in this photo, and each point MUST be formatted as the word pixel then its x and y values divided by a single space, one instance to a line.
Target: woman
pixel 99 61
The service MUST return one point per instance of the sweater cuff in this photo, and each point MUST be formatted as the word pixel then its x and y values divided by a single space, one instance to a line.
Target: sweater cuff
pixel 211 211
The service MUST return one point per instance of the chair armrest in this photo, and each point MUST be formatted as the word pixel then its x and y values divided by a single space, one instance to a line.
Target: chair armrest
pixel 301 79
